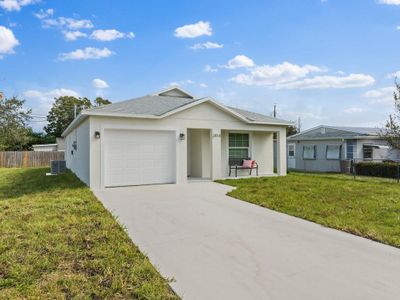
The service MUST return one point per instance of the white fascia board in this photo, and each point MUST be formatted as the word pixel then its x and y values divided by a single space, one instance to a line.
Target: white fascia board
pixel 74 123
pixel 362 137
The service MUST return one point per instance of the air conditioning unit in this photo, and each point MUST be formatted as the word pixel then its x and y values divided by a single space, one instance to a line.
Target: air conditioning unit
pixel 58 166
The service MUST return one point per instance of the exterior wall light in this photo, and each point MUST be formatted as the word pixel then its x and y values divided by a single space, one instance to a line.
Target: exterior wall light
pixel 97 134
pixel 182 136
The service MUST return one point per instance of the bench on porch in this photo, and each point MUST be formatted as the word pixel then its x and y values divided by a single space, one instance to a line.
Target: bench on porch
pixel 238 164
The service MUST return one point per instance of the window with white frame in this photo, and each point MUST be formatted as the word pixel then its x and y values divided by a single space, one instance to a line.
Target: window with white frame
pixel 239 146
pixel 368 152
pixel 291 150
pixel 333 152
pixel 309 152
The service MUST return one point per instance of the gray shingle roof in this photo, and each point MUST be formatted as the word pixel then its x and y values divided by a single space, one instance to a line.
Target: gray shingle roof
pixel 256 117
pixel 360 130
pixel 147 105
pixel 332 132
pixel 155 105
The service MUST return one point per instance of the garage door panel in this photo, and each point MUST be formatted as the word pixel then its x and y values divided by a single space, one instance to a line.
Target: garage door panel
pixel 139 157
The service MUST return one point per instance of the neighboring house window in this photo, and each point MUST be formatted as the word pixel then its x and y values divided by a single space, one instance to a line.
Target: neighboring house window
pixel 350 149
pixel 368 152
pixel 239 145
pixel 333 152
pixel 291 150
pixel 309 152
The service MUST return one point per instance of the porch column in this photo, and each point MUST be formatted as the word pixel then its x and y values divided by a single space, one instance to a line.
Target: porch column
pixel 216 153
pixel 281 152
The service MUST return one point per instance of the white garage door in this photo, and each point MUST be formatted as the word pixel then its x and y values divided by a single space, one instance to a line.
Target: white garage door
pixel 133 157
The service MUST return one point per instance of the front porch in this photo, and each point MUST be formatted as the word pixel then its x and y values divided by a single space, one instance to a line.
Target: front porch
pixel 210 153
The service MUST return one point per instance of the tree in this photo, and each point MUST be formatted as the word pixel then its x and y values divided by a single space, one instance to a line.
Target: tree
pixel 391 132
pixel 14 131
pixel 291 130
pixel 37 138
pixel 100 102
pixel 62 114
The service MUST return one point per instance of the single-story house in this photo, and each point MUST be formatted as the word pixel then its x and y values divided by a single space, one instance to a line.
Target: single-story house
pixel 169 137
pixel 58 146
pixel 44 147
pixel 324 148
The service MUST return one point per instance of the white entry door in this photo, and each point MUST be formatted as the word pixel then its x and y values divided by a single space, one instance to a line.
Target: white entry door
pixel 291 156
pixel 137 157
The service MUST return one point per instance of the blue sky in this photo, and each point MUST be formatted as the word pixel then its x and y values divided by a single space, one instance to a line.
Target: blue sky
pixel 328 62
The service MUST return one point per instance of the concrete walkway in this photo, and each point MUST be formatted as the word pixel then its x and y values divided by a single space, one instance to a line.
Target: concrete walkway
pixel 216 247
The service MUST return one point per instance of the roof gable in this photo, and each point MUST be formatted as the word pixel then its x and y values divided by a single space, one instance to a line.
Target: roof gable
pixel 176 92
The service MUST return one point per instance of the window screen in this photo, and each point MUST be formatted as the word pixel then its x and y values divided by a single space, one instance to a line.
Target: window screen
pixel 333 152
pixel 309 152
pixel 350 149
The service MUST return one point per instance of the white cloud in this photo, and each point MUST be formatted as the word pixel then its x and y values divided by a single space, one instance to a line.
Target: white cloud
pixel 86 53
pixel 186 83
pixel 209 69
pixel 99 84
pixel 390 2
pixel 306 115
pixel 73 35
pixel 35 94
pixel 15 5
pixel 110 35
pixel 194 30
pixel 273 75
pixel 352 110
pixel 380 96
pixel 7 41
pixel 69 23
pixel 291 76
pixel 43 14
pixel 240 61
pixel 394 75
pixel 41 101
pixel 207 45
pixel 336 82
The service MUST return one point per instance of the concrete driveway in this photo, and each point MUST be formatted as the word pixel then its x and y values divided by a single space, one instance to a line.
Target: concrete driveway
pixel 216 247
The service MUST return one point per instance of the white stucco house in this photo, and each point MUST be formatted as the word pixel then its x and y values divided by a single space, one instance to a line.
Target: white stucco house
pixel 169 137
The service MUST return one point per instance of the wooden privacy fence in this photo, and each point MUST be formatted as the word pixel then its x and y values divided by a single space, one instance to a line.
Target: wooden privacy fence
pixel 28 159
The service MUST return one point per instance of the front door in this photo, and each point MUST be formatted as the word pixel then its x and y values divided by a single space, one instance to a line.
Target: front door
pixel 291 156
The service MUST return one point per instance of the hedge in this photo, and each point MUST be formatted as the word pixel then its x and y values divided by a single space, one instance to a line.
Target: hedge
pixel 375 169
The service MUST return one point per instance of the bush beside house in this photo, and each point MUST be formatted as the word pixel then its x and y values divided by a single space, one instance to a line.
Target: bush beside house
pixel 381 169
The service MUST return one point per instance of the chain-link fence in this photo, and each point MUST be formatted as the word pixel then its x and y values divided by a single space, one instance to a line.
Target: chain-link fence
pixel 375 168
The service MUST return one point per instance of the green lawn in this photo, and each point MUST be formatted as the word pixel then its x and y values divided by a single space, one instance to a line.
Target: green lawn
pixel 367 207
pixel 58 242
